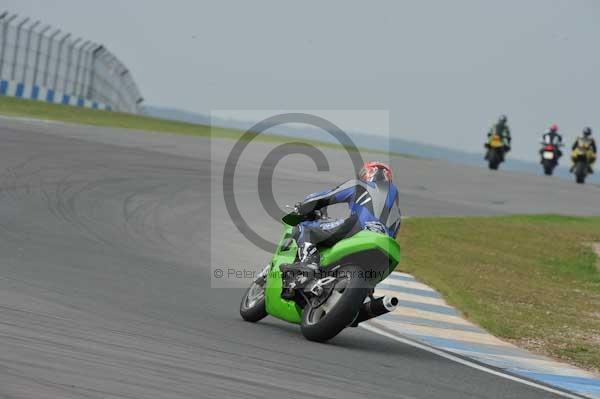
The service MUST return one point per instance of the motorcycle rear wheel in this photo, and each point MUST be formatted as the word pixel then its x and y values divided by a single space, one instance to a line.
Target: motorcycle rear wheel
pixel 548 168
pixel 324 322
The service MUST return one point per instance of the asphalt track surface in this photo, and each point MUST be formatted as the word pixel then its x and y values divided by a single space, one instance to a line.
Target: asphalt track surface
pixel 108 242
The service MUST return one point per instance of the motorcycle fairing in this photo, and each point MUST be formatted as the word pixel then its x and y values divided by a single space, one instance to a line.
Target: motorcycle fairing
pixel 380 251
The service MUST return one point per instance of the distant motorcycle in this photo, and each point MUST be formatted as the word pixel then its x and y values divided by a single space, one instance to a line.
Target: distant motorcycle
pixel 550 155
pixel 495 151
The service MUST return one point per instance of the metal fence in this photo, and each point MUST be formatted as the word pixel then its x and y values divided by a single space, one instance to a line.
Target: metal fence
pixel 40 59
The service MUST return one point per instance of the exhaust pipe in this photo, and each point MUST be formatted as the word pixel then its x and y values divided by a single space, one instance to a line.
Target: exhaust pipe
pixel 375 308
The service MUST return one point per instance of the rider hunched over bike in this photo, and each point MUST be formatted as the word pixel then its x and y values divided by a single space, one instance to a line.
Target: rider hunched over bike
pixel 373 203
pixel 588 144
pixel 552 137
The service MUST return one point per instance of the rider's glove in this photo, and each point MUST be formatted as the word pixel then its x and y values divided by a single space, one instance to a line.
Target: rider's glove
pixel 297 208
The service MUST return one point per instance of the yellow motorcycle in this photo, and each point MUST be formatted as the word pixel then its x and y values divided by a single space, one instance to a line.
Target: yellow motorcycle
pixel 495 151
pixel 582 157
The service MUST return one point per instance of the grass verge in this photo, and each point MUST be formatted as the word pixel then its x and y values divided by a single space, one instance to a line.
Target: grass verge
pixel 10 106
pixel 532 280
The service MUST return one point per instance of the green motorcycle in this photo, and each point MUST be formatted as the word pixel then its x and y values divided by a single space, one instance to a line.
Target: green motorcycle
pixel 340 295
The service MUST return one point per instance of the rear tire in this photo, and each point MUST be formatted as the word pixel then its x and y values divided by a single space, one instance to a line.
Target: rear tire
pixel 548 169
pixel 349 294
pixel 253 307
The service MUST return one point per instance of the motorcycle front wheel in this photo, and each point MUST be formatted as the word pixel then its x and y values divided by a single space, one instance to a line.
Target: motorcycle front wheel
pixel 493 159
pixel 580 172
pixel 323 322
pixel 253 306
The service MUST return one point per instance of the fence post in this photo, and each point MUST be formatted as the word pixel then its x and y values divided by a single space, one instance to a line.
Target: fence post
pixel 70 48
pixel 2 16
pixel 3 23
pixel 86 69
pixel 78 67
pixel 114 95
pixel 3 30
pixel 57 70
pixel 13 73
pixel 110 91
pixel 49 56
pixel 27 48
pixel 5 26
pixel 123 98
pixel 92 70
pixel 38 53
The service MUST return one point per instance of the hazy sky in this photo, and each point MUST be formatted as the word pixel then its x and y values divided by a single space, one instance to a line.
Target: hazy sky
pixel 444 69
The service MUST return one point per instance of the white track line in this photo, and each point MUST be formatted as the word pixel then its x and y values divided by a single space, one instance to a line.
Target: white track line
pixel 468 363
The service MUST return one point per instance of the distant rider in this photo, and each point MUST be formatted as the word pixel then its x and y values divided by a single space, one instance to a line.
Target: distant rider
pixel 552 137
pixel 501 129
pixel 588 144
pixel 373 203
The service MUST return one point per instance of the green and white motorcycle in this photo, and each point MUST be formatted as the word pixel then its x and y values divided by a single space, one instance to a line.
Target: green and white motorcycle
pixel 341 295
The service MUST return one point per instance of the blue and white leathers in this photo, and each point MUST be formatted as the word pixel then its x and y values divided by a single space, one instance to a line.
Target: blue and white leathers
pixel 369 202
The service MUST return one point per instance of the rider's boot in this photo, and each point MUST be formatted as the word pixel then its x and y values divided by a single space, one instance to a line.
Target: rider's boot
pixel 296 275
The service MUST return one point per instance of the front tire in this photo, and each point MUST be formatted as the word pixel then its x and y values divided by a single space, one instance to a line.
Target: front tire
pixel 252 307
pixel 580 172
pixel 324 322
pixel 494 159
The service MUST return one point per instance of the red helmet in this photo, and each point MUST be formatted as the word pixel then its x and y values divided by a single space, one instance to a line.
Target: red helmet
pixel 553 127
pixel 375 171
